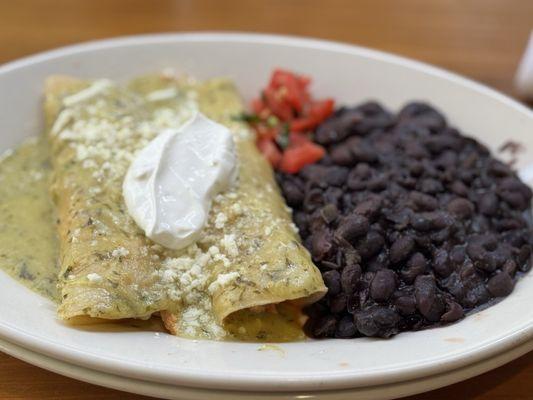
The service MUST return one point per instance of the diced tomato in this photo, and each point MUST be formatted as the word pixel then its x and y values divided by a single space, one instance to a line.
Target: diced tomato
pixel 287 107
pixel 321 109
pixel 274 101
pixel 266 132
pixel 270 151
pixel 297 138
pixel 302 124
pixel 316 113
pixel 294 88
pixel 296 157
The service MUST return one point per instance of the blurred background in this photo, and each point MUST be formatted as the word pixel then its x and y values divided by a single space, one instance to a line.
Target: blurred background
pixel 482 39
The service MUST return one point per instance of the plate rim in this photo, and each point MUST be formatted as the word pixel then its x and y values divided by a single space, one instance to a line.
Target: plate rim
pixel 254 381
pixel 148 388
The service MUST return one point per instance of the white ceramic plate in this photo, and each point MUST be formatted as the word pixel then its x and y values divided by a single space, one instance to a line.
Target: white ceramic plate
pixel 351 75
pixel 379 392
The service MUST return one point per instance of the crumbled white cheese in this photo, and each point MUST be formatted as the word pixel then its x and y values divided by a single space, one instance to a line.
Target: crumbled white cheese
pixel 294 227
pixel 214 250
pixel 222 280
pixel 97 87
pixel 63 118
pixel 120 252
pixel 185 280
pixel 230 245
pixel 237 209
pixel 162 94
pixel 94 277
pixel 220 220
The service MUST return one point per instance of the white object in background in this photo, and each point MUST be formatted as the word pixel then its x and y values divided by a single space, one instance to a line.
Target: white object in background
pixel 169 186
pixel 524 74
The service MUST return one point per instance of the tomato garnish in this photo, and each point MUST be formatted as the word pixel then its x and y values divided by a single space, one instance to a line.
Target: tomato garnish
pixel 284 115
pixel 296 157
pixel 298 138
pixel 266 132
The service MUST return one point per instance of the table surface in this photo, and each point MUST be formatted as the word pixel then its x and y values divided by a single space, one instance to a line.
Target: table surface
pixel 482 39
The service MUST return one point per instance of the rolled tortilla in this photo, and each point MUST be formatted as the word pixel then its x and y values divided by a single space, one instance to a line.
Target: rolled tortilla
pixel 108 267
pixel 252 226
pixel 249 256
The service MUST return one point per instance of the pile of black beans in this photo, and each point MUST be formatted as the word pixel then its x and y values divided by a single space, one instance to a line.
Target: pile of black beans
pixel 411 223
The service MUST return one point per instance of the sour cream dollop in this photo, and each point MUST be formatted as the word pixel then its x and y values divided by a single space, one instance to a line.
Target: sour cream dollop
pixel 171 183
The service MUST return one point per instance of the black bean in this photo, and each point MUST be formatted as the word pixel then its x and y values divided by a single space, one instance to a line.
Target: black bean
pixel 362 152
pixel 499 169
pixel 329 213
pixel 460 207
pixel 401 248
pixel 459 188
pixel 514 199
pixel 479 224
pixel 381 261
pixel 369 208
pixel 424 202
pixel 352 226
pixel 416 265
pixel 414 167
pixel 313 199
pixel 356 300
pixel 454 312
pixel 430 305
pixel 377 321
pixel 293 193
pixel 524 258
pixel 415 150
pixel 430 220
pixel 454 285
pixel 338 303
pixel 346 327
pixel 300 219
pixel 341 155
pixel 513 184
pixel 332 280
pixel 325 327
pixel 509 224
pixel 510 267
pixel 349 277
pixel 321 245
pixel 431 186
pixel 458 255
pixel 370 245
pixel 335 130
pixel 325 265
pixel 406 305
pixel 336 176
pixel 476 251
pixel 500 285
pixel 441 263
pixel 383 285
pixel 377 183
pixel 488 204
pixel 476 295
